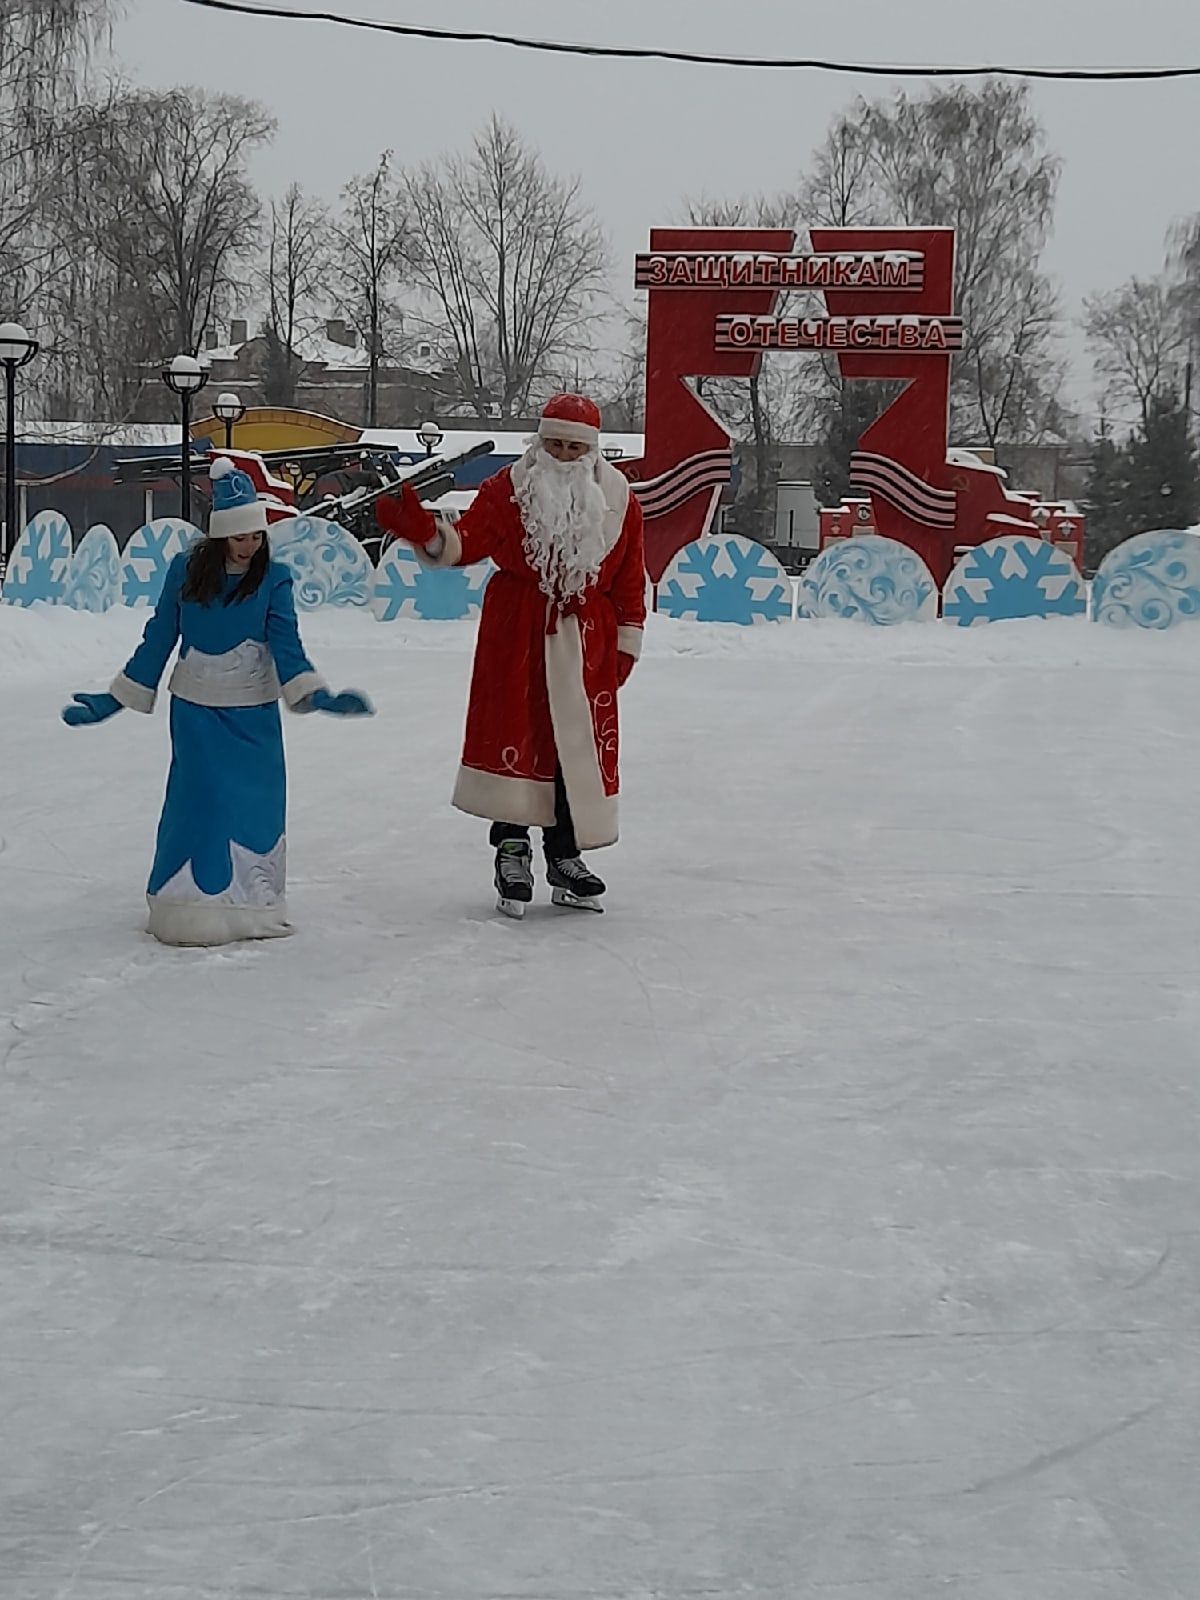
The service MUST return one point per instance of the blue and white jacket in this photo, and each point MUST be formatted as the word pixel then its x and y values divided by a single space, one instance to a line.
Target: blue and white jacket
pixel 245 654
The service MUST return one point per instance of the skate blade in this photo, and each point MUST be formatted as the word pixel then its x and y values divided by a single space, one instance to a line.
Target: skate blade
pixel 575 902
pixel 515 909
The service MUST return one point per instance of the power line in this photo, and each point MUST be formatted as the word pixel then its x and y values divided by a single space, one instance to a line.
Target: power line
pixel 691 58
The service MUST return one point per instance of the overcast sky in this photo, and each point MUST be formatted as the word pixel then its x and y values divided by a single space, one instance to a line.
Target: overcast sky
pixel 643 135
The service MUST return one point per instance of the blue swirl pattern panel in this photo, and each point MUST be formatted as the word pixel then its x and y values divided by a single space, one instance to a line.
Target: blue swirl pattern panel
pixel 1150 581
pixel 869 579
pixel 93 581
pixel 328 565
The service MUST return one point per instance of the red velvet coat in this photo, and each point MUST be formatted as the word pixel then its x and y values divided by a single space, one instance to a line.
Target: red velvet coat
pixel 544 686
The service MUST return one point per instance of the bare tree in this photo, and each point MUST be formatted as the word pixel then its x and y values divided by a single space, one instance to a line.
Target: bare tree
pixel 44 50
pixel 370 238
pixel 776 403
pixel 624 383
pixel 1138 336
pixel 1183 256
pixel 122 215
pixel 187 219
pixel 1011 371
pixel 837 191
pixel 45 54
pixel 511 265
pixel 106 346
pixel 1184 260
pixel 293 276
pixel 974 160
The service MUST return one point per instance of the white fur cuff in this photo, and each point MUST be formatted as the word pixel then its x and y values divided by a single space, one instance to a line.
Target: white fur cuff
pixel 133 696
pixel 301 686
pixel 450 553
pixel 629 641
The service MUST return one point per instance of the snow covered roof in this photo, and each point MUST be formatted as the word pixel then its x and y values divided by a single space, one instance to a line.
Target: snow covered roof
pixel 1002 520
pixel 957 457
pixel 222 352
pixel 146 435
pixel 318 350
pixel 329 353
pixel 141 435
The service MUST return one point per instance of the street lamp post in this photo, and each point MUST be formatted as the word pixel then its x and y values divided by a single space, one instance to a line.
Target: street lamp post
pixel 430 436
pixel 185 377
pixel 17 349
pixel 229 409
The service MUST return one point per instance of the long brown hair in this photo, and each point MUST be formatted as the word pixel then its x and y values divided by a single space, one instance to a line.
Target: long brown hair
pixel 205 580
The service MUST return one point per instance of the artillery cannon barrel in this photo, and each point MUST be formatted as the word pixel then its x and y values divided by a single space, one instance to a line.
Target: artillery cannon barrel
pixel 428 480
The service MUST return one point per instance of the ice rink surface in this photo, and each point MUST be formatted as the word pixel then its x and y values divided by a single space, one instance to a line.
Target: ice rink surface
pixel 822 1221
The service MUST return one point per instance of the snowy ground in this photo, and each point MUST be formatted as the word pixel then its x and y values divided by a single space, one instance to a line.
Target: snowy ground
pixel 822 1221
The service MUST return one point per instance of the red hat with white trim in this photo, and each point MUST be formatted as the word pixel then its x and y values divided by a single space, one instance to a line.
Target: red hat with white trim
pixel 572 417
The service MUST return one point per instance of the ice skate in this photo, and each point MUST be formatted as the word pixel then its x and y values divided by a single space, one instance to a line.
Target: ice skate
pixel 514 877
pixel 574 885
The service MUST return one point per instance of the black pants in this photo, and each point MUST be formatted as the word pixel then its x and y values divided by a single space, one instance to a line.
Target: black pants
pixel 559 840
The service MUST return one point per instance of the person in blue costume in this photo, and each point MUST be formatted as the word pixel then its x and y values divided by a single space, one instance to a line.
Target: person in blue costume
pixel 219 868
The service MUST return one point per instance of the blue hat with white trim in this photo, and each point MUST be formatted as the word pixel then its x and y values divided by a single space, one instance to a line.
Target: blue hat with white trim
pixel 236 507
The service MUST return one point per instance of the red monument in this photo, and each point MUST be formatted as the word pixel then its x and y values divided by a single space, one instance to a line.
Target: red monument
pixel 888 313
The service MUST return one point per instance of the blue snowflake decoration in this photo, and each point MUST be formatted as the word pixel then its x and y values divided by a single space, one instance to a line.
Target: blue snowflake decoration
pixel 725 578
pixel 148 554
pixel 93 581
pixel 1017 575
pixel 1150 581
pixel 328 565
pixel 869 579
pixel 404 588
pixel 37 568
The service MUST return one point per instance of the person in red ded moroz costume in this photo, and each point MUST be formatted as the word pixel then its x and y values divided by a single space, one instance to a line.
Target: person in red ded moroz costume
pixel 560 631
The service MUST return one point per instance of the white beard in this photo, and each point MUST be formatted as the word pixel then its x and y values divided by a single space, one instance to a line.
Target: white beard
pixel 563 511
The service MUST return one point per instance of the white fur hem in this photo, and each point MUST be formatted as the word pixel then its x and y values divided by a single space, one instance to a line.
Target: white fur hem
pixel 629 641
pixel 501 798
pixel 301 686
pixel 182 923
pixel 593 812
pixel 133 696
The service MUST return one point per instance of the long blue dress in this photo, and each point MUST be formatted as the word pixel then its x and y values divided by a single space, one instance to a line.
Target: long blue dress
pixel 219 869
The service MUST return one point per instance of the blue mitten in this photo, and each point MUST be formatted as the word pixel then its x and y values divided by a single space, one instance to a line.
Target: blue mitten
pixel 350 703
pixel 91 708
